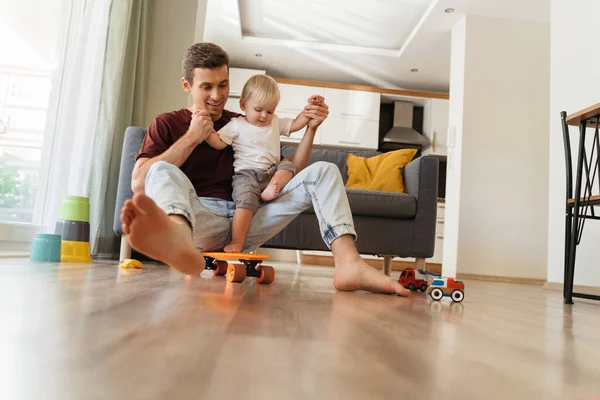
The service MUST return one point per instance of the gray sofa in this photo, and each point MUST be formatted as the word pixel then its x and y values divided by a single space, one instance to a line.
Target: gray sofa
pixel 387 224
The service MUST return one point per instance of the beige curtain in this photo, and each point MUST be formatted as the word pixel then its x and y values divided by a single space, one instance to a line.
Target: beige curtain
pixel 123 99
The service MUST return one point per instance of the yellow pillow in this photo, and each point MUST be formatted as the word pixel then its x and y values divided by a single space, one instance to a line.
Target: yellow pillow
pixel 382 172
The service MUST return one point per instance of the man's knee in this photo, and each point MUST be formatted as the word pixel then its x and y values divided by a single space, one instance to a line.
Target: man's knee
pixel 161 166
pixel 162 169
pixel 139 182
pixel 167 180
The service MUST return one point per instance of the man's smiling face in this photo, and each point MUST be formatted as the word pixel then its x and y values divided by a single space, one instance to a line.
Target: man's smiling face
pixel 209 89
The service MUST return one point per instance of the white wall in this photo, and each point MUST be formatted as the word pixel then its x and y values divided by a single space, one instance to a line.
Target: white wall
pixel 575 84
pixel 454 140
pixel 497 214
pixel 173 26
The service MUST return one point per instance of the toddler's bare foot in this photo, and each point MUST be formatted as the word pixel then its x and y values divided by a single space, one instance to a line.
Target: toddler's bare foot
pixel 271 192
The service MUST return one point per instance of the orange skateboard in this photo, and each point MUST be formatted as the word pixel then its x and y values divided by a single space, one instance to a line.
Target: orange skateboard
pixel 250 266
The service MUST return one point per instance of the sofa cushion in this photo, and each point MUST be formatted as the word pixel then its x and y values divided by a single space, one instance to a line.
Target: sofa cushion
pixel 382 172
pixel 374 203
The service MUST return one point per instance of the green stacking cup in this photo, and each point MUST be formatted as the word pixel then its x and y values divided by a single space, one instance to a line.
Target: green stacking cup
pixel 75 208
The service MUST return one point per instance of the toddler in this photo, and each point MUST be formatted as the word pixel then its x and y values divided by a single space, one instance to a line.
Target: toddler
pixel 259 171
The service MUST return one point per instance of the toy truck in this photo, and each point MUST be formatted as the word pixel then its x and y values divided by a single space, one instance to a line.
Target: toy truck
pixel 446 287
pixel 413 279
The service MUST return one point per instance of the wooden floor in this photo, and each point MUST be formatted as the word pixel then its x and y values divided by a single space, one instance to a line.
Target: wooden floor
pixel 72 331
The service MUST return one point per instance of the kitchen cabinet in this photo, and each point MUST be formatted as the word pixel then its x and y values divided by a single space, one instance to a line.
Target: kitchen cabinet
pixel 438 254
pixel 293 98
pixel 435 126
pixel 353 120
pixel 353 104
pixel 349 132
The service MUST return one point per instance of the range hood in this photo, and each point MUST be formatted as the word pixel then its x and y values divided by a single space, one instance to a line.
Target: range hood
pixel 402 133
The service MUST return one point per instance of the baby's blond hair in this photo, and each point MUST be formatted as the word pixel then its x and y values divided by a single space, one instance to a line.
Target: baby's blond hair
pixel 263 87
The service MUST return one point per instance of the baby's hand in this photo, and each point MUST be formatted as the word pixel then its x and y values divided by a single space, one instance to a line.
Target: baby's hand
pixel 316 100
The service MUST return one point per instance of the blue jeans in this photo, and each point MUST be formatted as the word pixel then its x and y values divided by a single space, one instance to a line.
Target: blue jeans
pixel 319 185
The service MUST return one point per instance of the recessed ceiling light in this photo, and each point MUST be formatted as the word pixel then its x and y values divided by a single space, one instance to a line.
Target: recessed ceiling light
pixel 258 55
pixel 414 70
pixel 449 10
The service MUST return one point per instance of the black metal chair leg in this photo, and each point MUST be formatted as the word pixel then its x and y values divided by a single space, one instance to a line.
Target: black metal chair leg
pixel 575 230
pixel 568 223
pixel 569 210
pixel 570 266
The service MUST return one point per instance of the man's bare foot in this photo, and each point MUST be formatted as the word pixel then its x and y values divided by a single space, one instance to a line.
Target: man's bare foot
pixel 271 192
pixel 155 234
pixel 352 273
pixel 358 275
pixel 233 247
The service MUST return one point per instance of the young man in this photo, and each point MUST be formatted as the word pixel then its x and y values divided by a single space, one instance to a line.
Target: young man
pixel 182 186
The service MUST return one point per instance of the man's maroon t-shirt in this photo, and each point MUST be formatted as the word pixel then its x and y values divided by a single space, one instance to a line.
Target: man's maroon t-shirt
pixel 209 170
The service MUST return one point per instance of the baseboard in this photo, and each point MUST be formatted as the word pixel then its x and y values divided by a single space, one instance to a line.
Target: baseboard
pixel 327 261
pixel 497 278
pixel 558 287
pixel 14 254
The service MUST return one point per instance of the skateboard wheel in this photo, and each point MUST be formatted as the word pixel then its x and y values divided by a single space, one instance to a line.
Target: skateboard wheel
pixel 220 267
pixel 267 274
pixel 236 272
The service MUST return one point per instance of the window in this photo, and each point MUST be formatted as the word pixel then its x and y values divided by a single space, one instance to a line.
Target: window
pixel 28 60
pixel 437 282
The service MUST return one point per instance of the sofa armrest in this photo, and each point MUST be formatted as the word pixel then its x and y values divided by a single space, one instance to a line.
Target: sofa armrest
pixel 421 177
pixel 421 181
pixel 131 145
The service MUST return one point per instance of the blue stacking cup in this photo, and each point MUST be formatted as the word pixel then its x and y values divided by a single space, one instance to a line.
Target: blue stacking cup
pixel 46 248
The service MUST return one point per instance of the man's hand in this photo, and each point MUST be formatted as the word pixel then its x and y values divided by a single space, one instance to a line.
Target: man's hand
pixel 201 126
pixel 316 111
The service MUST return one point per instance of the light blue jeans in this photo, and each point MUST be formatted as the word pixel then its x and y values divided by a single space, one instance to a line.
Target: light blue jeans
pixel 319 185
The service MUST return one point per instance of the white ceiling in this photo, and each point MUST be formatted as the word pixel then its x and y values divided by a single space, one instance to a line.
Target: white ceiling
pixel 374 42
pixel 353 23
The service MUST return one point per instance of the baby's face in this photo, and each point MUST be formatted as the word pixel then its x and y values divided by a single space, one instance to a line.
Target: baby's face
pixel 256 113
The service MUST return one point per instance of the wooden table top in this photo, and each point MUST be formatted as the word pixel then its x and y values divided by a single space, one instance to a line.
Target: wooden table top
pixel 590 112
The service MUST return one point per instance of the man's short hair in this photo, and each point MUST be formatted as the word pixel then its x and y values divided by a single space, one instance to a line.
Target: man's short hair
pixel 203 55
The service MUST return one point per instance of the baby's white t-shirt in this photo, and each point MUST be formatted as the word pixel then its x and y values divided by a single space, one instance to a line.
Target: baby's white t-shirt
pixel 255 147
